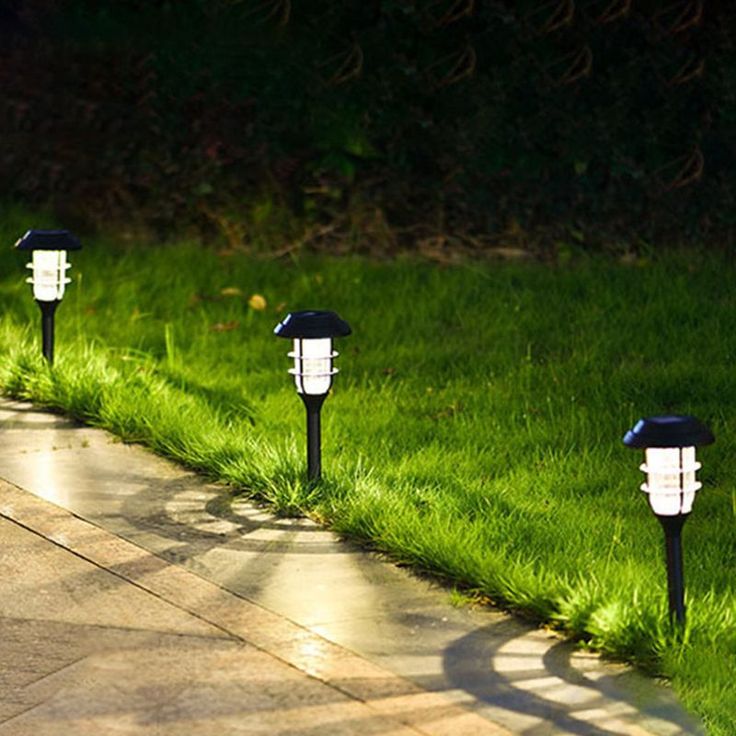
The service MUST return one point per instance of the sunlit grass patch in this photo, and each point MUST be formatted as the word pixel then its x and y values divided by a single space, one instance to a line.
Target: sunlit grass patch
pixel 474 430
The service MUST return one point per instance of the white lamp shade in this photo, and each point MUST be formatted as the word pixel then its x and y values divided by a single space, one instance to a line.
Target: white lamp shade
pixel 313 369
pixel 671 483
pixel 49 269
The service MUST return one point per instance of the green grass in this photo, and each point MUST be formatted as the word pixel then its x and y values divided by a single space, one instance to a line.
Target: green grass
pixel 474 430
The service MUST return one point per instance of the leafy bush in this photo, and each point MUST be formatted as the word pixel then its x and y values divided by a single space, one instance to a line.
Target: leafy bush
pixel 412 123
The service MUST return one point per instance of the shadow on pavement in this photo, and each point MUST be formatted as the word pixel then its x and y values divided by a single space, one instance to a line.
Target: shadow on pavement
pixel 536 676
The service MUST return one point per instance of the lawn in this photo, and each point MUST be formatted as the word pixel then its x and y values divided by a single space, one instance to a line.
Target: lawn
pixel 474 429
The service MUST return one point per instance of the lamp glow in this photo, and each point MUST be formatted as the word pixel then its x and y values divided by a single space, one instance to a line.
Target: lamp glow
pixel 671 483
pixel 313 369
pixel 49 278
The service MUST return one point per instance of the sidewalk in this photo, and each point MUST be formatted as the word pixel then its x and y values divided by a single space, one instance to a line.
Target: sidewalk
pixel 133 600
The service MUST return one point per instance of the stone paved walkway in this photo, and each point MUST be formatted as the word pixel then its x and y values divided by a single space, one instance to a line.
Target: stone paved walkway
pixel 133 600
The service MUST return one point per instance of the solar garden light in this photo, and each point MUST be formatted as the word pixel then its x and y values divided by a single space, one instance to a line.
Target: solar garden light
pixel 669 443
pixel 49 267
pixel 312 333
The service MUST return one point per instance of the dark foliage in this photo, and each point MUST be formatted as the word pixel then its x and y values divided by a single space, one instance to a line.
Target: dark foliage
pixel 469 120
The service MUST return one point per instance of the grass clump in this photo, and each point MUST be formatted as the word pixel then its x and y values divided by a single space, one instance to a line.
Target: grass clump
pixel 474 430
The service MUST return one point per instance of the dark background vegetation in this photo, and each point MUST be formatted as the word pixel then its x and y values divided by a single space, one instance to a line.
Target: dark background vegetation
pixel 375 125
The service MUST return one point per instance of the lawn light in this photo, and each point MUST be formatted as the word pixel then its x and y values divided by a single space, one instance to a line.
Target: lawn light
pixel 669 443
pixel 49 267
pixel 312 333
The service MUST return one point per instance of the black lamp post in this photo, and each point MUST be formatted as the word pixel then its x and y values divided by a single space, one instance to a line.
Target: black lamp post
pixel 669 443
pixel 49 267
pixel 312 333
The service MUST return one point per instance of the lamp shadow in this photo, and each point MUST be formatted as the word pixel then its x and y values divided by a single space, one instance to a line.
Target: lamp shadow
pixel 545 678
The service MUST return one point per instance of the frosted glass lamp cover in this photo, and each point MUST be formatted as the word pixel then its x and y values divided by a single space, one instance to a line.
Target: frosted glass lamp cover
pixel 669 444
pixel 313 369
pixel 671 484
pixel 49 278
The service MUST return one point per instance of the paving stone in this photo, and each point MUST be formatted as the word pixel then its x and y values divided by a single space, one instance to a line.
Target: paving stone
pixel 365 627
